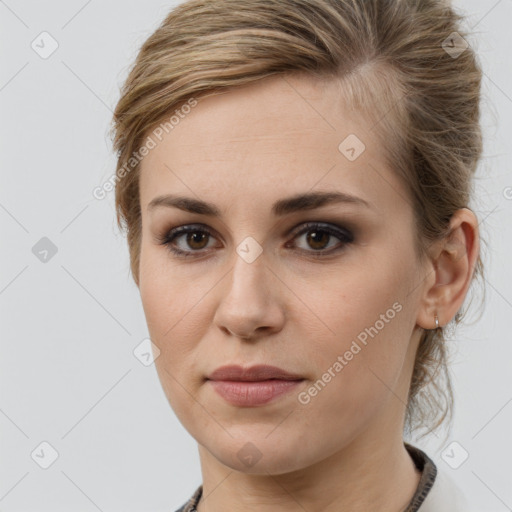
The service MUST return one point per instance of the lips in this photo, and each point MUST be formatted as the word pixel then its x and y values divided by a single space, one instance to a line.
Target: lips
pixel 252 374
pixel 254 386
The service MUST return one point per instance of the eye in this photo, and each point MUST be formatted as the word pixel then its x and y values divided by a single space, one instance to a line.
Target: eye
pixel 196 237
pixel 319 234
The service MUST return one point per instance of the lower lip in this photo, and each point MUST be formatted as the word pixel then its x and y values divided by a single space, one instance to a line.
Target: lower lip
pixel 252 393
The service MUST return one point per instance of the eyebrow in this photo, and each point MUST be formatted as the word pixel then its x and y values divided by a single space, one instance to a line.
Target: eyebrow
pixel 298 202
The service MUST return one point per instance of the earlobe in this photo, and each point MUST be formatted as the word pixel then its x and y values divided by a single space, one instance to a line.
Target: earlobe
pixel 453 264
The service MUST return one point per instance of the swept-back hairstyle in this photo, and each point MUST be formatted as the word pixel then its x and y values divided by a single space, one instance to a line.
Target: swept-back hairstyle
pixel 403 63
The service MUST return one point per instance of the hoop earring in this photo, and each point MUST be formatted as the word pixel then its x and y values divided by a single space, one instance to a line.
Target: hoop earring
pixel 436 320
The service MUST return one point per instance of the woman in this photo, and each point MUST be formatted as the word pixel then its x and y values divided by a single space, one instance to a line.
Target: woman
pixel 294 178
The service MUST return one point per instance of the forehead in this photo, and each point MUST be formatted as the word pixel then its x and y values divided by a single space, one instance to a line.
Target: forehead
pixel 268 139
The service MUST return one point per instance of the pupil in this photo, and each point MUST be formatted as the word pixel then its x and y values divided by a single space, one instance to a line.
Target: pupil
pixel 197 237
pixel 315 237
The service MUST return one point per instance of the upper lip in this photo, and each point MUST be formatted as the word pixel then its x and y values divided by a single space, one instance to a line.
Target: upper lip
pixel 254 373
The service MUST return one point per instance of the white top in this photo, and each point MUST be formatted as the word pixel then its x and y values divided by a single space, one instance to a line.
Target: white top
pixel 444 496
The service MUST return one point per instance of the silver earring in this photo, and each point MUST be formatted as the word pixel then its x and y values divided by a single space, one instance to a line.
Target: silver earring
pixel 436 320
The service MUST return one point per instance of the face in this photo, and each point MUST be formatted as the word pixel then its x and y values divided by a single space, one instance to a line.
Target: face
pixel 327 293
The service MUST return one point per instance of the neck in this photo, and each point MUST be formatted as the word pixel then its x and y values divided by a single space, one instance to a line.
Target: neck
pixel 362 476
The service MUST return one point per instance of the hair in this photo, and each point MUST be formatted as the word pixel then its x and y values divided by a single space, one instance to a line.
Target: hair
pixel 390 60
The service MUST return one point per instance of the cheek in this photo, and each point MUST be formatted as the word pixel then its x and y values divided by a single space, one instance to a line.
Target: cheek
pixel 170 303
pixel 174 299
pixel 367 320
pixel 164 308
pixel 168 292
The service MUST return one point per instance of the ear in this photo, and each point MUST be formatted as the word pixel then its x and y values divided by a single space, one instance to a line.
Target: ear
pixel 453 261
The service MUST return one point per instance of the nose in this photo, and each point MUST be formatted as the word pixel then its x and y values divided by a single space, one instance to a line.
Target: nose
pixel 250 304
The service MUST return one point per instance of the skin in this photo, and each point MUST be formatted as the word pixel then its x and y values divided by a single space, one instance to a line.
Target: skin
pixel 243 151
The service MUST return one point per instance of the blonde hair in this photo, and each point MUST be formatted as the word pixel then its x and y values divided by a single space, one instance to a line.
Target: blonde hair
pixel 395 62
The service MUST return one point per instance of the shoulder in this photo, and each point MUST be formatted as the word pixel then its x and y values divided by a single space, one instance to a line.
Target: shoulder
pixel 444 496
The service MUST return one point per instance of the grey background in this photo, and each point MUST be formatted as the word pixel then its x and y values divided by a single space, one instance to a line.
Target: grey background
pixel 68 375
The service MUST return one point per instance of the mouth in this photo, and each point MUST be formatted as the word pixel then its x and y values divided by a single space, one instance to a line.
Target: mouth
pixel 256 385
pixel 255 373
pixel 253 393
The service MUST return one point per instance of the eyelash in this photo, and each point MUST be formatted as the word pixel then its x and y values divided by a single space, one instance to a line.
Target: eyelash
pixel 342 234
